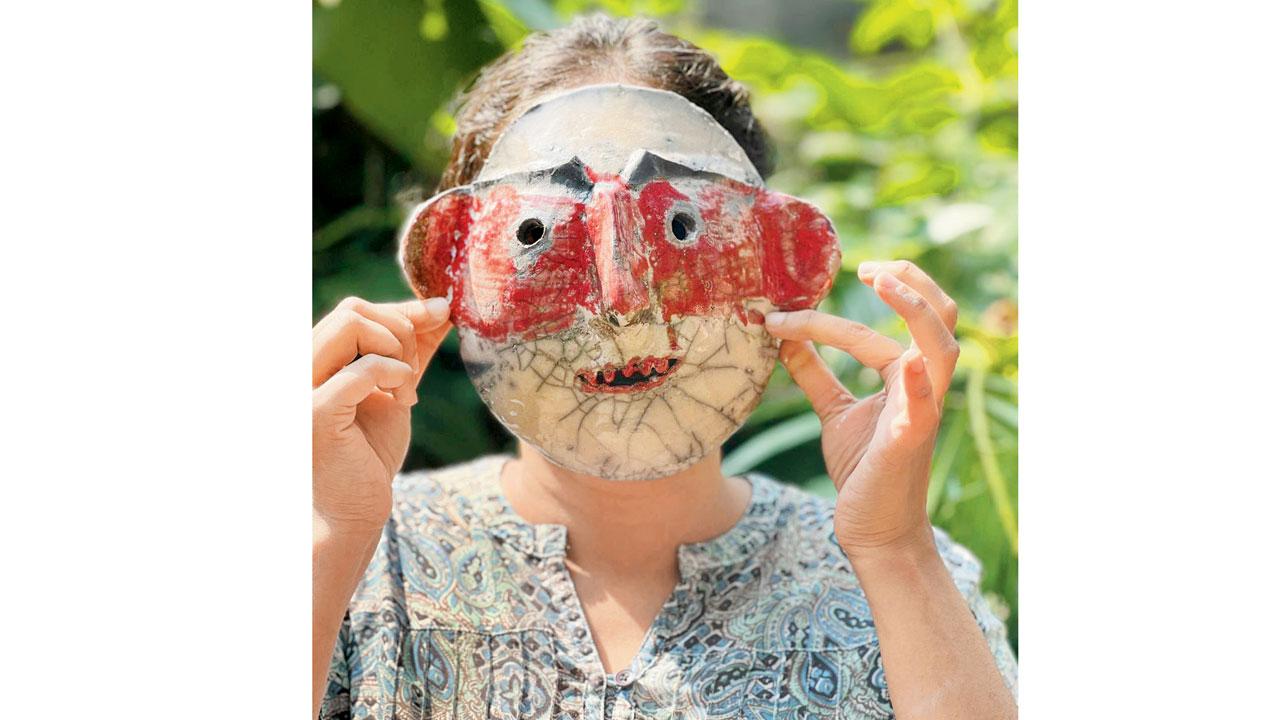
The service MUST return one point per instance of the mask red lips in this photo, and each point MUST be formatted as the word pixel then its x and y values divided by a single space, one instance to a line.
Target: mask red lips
pixel 637 375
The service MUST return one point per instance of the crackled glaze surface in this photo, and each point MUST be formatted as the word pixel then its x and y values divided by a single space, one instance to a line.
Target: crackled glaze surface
pixel 609 289
pixel 611 308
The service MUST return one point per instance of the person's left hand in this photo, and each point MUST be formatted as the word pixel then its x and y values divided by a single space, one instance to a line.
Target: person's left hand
pixel 878 448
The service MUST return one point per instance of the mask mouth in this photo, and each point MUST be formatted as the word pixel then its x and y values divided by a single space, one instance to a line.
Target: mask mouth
pixel 636 375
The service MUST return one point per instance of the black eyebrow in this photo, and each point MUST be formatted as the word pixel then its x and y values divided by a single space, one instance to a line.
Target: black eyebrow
pixel 645 166
pixel 571 175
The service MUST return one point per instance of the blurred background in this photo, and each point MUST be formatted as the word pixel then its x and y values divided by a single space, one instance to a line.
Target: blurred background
pixel 898 118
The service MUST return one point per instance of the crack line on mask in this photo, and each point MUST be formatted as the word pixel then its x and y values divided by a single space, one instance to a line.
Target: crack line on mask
pixel 705 404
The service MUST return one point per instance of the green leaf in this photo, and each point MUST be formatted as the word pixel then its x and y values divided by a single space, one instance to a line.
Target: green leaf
pixel 888 20
pixel 949 445
pixel 362 217
pixel 506 24
pixel 784 436
pixel 819 485
pixel 909 180
pixel 991 473
pixel 392 78
pixel 1002 410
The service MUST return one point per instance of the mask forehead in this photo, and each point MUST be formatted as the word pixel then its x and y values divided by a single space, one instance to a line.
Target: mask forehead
pixel 603 125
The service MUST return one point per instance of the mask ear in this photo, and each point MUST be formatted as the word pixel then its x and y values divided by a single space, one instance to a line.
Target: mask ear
pixel 801 252
pixel 432 240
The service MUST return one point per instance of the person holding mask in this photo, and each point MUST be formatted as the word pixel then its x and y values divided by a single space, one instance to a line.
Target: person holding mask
pixel 621 280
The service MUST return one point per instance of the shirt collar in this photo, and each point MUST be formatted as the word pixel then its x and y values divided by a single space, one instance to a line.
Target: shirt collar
pixel 755 529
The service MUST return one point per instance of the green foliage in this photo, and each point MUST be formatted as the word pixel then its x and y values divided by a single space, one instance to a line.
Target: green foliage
pixel 909 142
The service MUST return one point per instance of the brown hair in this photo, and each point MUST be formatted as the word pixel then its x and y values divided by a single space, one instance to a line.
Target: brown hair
pixel 597 48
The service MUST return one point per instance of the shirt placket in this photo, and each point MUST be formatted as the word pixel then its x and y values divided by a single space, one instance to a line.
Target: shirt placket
pixel 582 678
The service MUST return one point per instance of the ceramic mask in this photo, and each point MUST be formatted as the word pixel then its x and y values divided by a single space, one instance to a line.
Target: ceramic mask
pixel 609 271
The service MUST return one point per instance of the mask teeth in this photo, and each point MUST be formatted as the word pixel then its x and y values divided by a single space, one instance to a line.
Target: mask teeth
pixel 646 367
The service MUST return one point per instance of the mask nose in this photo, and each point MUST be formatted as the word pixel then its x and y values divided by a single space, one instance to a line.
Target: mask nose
pixel 615 226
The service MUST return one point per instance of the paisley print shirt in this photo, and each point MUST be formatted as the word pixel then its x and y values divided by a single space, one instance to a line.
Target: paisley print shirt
pixel 468 611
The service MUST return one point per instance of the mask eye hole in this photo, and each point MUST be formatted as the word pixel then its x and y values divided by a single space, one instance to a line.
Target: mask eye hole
pixel 683 226
pixel 530 232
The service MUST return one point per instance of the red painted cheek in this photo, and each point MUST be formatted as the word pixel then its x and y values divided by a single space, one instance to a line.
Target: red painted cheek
pixel 507 291
pixel 546 298
pixel 751 244
pixel 431 245
pixel 717 272
pixel 800 250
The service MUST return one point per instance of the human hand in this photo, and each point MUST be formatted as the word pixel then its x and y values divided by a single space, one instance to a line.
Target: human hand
pixel 878 448
pixel 366 361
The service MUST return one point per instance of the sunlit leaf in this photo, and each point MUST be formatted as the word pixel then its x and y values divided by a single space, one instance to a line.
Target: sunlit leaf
pixel 991 473
pixel 912 179
pixel 887 20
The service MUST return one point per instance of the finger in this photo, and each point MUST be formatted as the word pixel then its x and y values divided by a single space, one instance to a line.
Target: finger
pixel 927 330
pixel 425 314
pixel 919 418
pixel 340 394
pixel 392 317
pixel 432 332
pixel 826 393
pixel 865 345
pixel 340 340
pixel 909 273
pixel 428 343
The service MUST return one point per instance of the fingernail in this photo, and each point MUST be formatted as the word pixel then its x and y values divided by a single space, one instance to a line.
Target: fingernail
pixel 437 308
pixel 868 268
pixel 888 281
pixel 774 319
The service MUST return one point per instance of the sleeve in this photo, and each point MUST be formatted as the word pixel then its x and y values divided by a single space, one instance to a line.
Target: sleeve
pixel 966 570
pixel 362 674
pixel 336 704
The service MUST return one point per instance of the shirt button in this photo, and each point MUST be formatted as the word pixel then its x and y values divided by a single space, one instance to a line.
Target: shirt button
pixel 623 677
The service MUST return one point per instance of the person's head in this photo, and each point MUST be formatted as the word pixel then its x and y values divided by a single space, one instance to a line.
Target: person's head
pixel 609 248
pixel 597 49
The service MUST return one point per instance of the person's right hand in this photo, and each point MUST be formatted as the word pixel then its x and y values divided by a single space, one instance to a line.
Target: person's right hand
pixel 366 361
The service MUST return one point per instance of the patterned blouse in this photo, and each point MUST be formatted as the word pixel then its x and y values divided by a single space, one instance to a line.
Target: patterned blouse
pixel 468 611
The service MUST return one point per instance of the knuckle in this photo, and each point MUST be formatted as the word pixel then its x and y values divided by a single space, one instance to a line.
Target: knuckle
pixel 350 302
pixel 349 319
pixel 321 409
pixel 951 349
pixel 842 400
pixel 796 359
pixel 913 300
pixel 857 329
